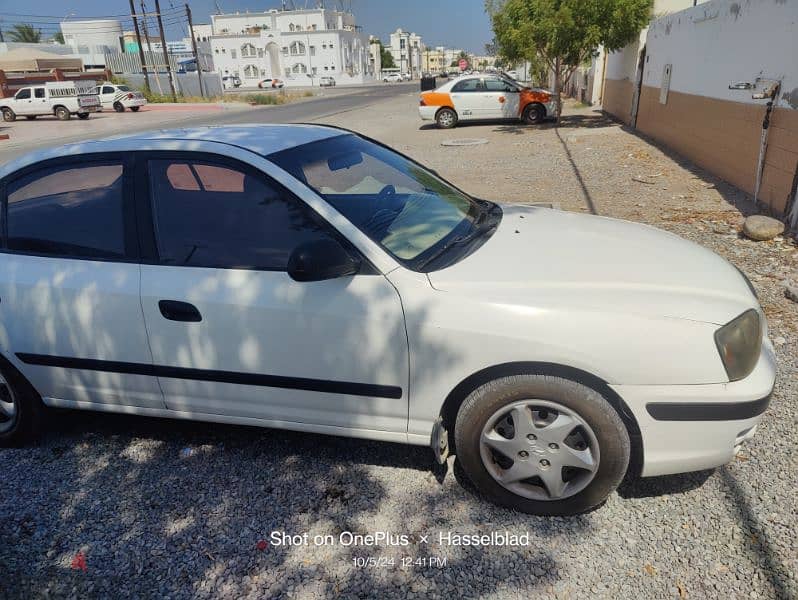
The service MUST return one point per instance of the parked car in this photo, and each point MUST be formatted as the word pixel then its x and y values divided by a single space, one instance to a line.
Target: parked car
pixel 307 278
pixel 511 74
pixel 392 78
pixel 119 97
pixel 231 81
pixel 406 77
pixel 59 98
pixel 488 97
pixel 327 82
pixel 271 83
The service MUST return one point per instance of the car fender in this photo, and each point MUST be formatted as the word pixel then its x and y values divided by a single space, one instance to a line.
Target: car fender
pixel 452 336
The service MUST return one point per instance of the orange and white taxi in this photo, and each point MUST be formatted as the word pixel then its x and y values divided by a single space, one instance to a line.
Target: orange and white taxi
pixel 485 97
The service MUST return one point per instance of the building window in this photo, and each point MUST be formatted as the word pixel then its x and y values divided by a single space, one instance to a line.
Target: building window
pixel 287 72
pixel 250 71
pixel 233 53
pixel 313 50
pixel 300 68
pixel 324 46
pixel 315 70
pixel 297 49
pixel 248 51
pixel 285 50
pixel 291 27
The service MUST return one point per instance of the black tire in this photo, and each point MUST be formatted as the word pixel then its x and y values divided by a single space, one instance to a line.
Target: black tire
pixel 62 113
pixel 534 114
pixel 29 414
pixel 118 107
pixel 135 108
pixel 31 117
pixel 446 118
pixel 83 116
pixel 592 408
pixel 9 115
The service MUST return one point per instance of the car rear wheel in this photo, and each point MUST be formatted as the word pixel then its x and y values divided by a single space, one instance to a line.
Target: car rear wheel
pixel 135 108
pixel 118 107
pixel 62 113
pixel 9 115
pixel 534 114
pixel 446 118
pixel 83 116
pixel 20 409
pixel 541 444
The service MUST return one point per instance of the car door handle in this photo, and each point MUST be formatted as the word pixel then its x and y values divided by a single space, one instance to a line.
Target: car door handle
pixel 179 311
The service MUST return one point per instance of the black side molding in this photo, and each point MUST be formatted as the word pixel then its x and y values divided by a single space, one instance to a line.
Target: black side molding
pixel 276 381
pixel 707 411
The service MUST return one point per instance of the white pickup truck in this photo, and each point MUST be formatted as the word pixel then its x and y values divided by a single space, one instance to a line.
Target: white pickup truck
pixel 60 98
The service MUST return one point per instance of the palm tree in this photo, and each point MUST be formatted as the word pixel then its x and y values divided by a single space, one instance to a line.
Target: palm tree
pixel 22 32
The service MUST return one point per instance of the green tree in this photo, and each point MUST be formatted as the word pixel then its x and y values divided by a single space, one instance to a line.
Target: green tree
pixel 22 32
pixel 58 38
pixel 564 33
pixel 386 58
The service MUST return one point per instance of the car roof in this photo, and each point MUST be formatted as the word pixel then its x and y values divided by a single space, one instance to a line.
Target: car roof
pixel 261 139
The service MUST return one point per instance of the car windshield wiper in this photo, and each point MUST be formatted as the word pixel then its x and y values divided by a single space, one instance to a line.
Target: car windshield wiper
pixel 481 228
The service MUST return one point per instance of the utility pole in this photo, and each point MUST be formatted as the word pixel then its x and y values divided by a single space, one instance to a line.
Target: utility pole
pixel 194 48
pixel 149 47
pixel 141 48
pixel 165 51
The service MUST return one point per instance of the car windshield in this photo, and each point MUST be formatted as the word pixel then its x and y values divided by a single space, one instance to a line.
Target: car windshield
pixel 421 220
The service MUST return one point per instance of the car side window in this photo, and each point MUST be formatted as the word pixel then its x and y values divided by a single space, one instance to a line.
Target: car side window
pixel 38 92
pixel 107 89
pixel 497 85
pixel 469 85
pixel 23 94
pixel 215 215
pixel 69 210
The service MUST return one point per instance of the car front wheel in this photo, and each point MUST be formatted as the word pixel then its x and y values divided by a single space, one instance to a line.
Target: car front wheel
pixel 534 114
pixel 446 118
pixel 541 444
pixel 8 115
pixel 20 409
pixel 135 108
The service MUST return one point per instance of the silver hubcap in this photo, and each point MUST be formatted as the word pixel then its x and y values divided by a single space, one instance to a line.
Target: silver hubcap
pixel 539 449
pixel 446 118
pixel 8 406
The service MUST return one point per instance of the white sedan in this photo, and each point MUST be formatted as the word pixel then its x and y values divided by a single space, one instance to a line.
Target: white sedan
pixel 120 97
pixel 306 278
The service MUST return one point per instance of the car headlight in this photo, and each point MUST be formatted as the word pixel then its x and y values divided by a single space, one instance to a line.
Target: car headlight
pixel 740 342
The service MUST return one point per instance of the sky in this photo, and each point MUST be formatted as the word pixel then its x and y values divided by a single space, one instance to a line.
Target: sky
pixel 453 23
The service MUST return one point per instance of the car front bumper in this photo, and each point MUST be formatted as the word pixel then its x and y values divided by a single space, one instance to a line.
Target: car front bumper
pixel 693 427
pixel 427 113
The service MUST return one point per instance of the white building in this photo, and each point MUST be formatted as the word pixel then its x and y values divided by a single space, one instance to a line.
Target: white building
pixel 92 39
pixel 407 50
pixel 298 46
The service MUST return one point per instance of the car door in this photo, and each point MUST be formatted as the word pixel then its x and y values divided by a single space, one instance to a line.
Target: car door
pixel 70 312
pixel 107 95
pixel 465 97
pixel 232 333
pixel 40 103
pixel 501 99
pixel 23 102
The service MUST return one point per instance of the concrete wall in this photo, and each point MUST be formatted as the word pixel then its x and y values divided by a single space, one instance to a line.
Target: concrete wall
pixel 621 68
pixel 710 47
pixel 186 83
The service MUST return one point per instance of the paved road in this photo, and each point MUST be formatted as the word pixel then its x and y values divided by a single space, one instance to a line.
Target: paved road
pixel 333 102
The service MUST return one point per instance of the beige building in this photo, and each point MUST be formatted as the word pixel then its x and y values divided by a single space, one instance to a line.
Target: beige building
pixel 699 90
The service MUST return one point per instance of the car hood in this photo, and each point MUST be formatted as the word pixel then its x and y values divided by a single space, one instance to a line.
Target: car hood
pixel 545 257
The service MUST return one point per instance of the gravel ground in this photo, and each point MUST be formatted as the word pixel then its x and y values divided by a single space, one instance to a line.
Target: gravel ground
pixel 160 508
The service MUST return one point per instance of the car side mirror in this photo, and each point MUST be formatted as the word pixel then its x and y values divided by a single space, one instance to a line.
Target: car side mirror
pixel 320 260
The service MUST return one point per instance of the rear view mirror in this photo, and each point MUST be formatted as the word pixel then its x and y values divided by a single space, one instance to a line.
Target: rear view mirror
pixel 320 260
pixel 344 161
